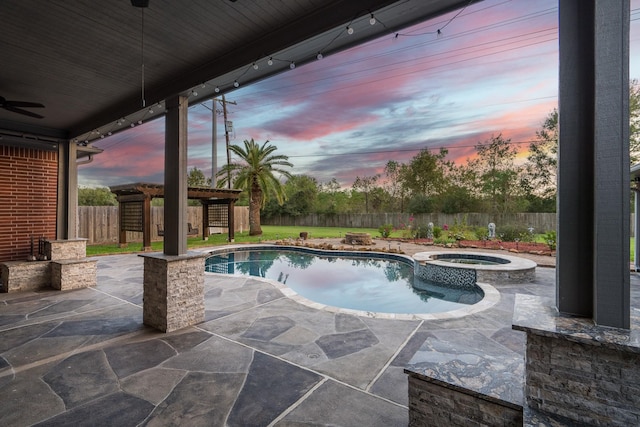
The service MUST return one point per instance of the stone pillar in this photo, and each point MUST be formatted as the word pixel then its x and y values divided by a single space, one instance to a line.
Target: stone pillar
pixel 173 291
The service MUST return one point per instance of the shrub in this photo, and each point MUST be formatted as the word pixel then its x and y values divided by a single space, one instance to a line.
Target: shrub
pixel 437 232
pixel 550 239
pixel 482 233
pixel 385 230
pixel 421 232
pixel 511 233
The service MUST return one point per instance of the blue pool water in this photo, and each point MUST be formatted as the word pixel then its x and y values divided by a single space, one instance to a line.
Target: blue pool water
pixel 381 285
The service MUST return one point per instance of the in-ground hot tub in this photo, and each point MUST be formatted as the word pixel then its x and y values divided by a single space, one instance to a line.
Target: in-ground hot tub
pixel 464 269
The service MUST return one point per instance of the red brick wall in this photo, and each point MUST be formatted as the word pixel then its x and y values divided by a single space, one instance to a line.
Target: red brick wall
pixel 28 194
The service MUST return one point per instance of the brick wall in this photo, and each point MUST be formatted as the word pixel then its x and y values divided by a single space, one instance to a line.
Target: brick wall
pixel 28 194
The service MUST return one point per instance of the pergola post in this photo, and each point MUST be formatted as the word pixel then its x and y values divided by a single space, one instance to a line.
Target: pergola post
pixel 231 220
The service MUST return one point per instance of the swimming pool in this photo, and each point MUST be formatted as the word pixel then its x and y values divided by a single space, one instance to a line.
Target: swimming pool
pixel 368 282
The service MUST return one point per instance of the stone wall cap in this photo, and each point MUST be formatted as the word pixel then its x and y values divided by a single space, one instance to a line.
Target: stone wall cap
pixel 171 258
pixel 539 316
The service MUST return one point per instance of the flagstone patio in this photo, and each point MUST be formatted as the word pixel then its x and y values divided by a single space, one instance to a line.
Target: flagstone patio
pixel 83 357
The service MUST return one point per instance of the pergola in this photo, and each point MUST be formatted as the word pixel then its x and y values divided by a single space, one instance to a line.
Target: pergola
pixel 134 202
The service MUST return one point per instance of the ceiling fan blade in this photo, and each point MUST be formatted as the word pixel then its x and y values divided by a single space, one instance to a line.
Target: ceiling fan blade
pixel 21 111
pixel 24 104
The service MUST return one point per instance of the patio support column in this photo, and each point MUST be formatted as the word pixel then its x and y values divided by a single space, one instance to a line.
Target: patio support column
pixel 66 222
pixel 593 162
pixel 636 225
pixel 173 282
pixel 175 176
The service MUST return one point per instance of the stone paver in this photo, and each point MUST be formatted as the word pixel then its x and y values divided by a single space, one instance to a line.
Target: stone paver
pixel 83 357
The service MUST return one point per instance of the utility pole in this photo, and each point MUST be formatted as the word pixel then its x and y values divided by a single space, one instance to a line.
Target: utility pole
pixel 214 144
pixel 226 134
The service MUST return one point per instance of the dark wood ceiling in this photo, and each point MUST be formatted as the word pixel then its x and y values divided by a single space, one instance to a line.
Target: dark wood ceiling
pixel 83 59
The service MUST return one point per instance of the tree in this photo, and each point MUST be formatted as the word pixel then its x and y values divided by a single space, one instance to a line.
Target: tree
pixel 498 173
pixel 196 178
pixel 425 174
pixel 98 196
pixel 634 121
pixel 255 174
pixel 366 184
pixel 540 171
pixel 301 197
pixel 394 184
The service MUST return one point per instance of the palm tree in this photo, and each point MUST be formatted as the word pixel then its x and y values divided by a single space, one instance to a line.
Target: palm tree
pixel 255 174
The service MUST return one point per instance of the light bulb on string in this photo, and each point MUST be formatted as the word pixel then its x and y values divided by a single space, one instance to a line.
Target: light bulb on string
pixel 372 20
pixel 255 66
pixel 270 61
pixel 349 30
pixel 319 56
pixel 217 89
pixel 236 84
pixel 292 65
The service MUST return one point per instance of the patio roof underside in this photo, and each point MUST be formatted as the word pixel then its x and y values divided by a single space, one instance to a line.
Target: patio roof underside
pixel 84 59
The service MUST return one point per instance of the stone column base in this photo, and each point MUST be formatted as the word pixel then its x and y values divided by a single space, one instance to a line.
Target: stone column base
pixel 173 291
pixel 577 370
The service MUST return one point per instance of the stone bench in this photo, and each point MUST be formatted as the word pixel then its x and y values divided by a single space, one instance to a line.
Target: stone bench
pixel 73 273
pixel 24 275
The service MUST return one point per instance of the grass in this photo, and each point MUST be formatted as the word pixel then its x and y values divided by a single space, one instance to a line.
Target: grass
pixel 269 233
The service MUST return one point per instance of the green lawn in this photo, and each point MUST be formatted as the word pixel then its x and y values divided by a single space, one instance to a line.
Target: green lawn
pixel 269 232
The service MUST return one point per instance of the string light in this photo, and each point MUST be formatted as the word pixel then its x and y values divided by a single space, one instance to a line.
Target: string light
pixel 236 84
pixel 255 66
pixel 319 56
pixel 270 61
pixel 372 20
pixel 292 65
pixel 217 89
pixel 349 30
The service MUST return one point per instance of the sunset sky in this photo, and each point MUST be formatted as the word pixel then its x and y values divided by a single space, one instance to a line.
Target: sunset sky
pixel 494 69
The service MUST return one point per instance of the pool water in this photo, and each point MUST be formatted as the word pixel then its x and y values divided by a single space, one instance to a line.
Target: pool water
pixel 354 282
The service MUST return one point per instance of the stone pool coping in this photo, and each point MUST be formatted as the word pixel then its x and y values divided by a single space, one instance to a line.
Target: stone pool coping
pixel 515 263
pixel 491 294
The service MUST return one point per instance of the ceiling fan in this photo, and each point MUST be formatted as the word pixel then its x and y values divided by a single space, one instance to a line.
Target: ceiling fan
pixel 17 107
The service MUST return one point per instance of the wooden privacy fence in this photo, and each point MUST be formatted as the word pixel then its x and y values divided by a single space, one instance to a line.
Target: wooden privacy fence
pixel 99 224
pixel 541 222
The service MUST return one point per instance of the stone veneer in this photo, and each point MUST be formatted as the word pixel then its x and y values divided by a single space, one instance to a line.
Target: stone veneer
pixel 173 291
pixel 577 370
pixel 73 274
pixel 73 270
pixel 433 403
pixel 65 249
pixel 24 276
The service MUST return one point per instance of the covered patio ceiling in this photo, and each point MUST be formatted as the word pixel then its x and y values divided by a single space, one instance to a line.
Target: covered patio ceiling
pixel 83 60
